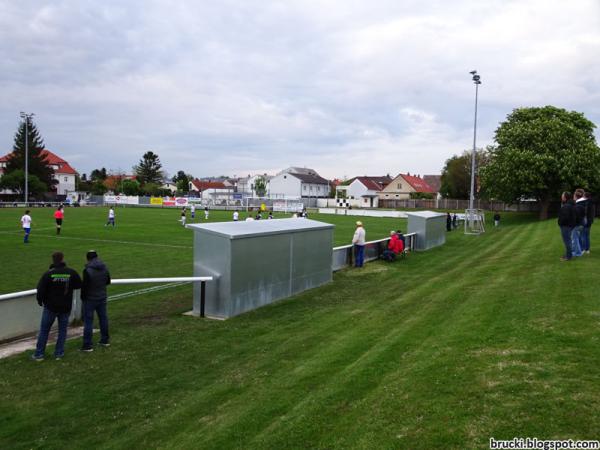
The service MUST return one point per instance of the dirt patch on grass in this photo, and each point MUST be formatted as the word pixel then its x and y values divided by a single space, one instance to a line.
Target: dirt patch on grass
pixel 148 319
pixel 366 270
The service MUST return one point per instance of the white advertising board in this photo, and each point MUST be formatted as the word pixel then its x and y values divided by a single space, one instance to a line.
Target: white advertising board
pixel 287 206
pixel 122 199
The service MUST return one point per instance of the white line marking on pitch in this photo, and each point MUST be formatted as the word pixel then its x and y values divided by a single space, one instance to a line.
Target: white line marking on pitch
pixel 33 235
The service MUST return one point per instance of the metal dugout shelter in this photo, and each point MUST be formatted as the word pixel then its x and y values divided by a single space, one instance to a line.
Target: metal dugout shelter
pixel 259 262
pixel 430 228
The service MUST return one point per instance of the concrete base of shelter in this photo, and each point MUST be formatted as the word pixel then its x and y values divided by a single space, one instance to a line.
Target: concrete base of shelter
pixel 193 314
pixel 28 343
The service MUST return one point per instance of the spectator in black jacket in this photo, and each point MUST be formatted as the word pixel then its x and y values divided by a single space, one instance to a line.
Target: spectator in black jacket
pixel 590 213
pixel 579 221
pixel 55 294
pixel 566 222
pixel 93 296
pixel 497 219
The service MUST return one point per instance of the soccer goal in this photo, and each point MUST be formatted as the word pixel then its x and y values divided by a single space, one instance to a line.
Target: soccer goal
pixel 474 221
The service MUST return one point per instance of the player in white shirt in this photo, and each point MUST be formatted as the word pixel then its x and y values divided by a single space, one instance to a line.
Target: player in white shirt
pixel 26 224
pixel 111 217
pixel 206 212
pixel 236 216
pixel 193 211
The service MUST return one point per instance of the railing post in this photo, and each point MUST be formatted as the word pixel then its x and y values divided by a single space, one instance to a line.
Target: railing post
pixel 202 297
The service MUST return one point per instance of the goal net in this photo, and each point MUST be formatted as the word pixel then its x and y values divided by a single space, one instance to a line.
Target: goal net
pixel 474 221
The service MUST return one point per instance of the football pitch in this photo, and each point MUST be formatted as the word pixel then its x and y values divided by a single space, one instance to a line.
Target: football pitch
pixel 146 242
pixel 487 336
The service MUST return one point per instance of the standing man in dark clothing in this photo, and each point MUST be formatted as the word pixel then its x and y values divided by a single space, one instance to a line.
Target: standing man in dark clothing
pixel 590 213
pixel 497 219
pixel 566 222
pixel 455 221
pixel 448 222
pixel 93 295
pixel 55 294
pixel 579 221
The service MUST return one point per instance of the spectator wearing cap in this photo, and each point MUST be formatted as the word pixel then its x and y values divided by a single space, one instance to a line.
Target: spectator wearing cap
pixel 358 241
pixel 93 295
pixel 55 294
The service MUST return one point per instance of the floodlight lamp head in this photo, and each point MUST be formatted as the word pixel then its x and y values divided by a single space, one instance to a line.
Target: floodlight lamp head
pixel 473 72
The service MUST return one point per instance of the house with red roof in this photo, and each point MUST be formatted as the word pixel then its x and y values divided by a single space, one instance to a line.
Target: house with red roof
pixel 403 186
pixel 211 190
pixel 64 174
pixel 363 192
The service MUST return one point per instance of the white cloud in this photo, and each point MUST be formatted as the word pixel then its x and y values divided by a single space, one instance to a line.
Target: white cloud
pixel 237 87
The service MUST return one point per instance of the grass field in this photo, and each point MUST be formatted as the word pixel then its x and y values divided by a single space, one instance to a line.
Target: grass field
pixel 146 242
pixel 485 336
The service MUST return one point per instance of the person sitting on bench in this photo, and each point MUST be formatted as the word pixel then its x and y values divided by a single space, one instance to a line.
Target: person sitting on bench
pixel 395 247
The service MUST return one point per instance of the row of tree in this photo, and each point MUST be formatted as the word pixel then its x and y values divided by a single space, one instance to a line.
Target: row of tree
pixel 148 172
pixel 537 154
pixel 148 179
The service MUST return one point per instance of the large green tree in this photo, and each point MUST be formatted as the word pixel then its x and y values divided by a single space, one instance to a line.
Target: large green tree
pixel 540 152
pixel 130 187
pixel 182 181
pixel 15 181
pixel 456 175
pixel 149 169
pixel 98 174
pixel 260 186
pixel 37 163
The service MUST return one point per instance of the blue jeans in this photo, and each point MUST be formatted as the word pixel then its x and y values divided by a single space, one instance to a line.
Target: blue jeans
pixel 359 255
pixel 26 237
pixel 388 255
pixel 89 307
pixel 47 321
pixel 566 233
pixel 577 240
pixel 585 239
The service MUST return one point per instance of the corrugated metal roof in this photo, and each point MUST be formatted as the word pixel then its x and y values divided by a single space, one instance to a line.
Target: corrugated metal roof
pixel 240 230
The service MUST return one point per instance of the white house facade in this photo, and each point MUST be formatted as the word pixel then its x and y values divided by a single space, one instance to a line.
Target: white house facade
pixel 289 184
pixel 363 192
pixel 64 174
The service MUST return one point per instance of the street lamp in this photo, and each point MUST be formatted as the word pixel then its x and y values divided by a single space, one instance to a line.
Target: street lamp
pixel 27 117
pixel 477 82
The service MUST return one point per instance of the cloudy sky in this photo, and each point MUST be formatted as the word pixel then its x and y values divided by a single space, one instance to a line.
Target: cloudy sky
pixel 347 87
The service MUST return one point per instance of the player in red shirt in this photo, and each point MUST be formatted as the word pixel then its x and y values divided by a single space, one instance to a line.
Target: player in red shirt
pixel 59 215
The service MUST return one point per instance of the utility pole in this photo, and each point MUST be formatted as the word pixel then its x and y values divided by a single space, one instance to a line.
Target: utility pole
pixel 477 82
pixel 27 117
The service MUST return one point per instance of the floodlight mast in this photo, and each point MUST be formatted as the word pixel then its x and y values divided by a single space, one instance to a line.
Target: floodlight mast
pixel 27 117
pixel 477 82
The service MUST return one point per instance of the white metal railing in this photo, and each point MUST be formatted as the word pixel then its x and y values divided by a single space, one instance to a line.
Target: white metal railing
pixel 18 294
pixel 377 241
pixel 30 292
pixel 342 255
pixel 160 280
